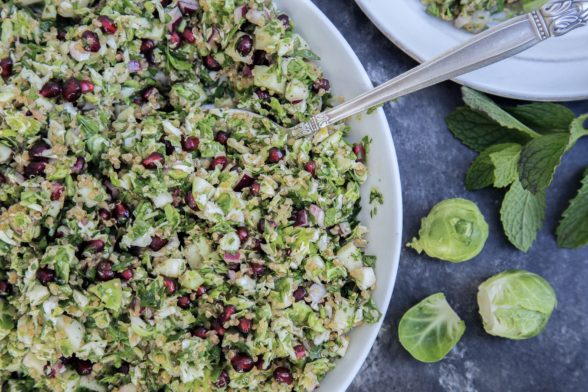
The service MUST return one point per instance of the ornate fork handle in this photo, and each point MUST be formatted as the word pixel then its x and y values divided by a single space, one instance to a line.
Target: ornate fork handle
pixel 554 19
pixel 560 17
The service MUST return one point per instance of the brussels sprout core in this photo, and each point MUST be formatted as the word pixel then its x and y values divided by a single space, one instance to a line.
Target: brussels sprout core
pixel 454 230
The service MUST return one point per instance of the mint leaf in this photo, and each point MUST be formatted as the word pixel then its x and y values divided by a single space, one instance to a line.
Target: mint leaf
pixel 505 163
pixel 522 214
pixel 496 166
pixel 572 231
pixel 539 159
pixel 480 102
pixel 577 130
pixel 544 117
pixel 478 131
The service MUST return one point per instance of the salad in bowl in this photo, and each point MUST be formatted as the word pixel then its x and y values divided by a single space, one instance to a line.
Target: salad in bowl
pixel 147 244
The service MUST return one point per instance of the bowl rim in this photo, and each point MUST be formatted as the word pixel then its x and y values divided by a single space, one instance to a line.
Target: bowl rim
pixel 388 282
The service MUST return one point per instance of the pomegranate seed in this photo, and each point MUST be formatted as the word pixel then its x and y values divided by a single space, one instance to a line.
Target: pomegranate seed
pixel 184 302
pixel 255 188
pixel 127 274
pixel 108 26
pixel 218 327
pixel 260 58
pixel 301 219
pixel 321 84
pixel 244 45
pixel 258 270
pixel 200 291
pixel 150 57
pixel 299 294
pixel 228 311
pixel 78 166
pixel 6 67
pixel 110 188
pixel 359 152
pixel 35 168
pixel 300 351
pixel 91 41
pixel 170 285
pixel 104 214
pixel 247 71
pixel 275 155
pixel 244 325
pixel 190 143
pixel 61 35
pixel 220 161
pixel 59 234
pixel 169 148
pixel 153 161
pixel 94 246
pixel 187 7
pixel 104 271
pixel 121 212
pixel 188 35
pixel 124 368
pixel 262 224
pixel 149 92
pixel 223 380
pixel 221 137
pixel 283 375
pixel 38 148
pixel 263 95
pixel 174 40
pixel 147 45
pixel 72 90
pixel 45 275
pixel 84 367
pixel 51 89
pixel 245 181
pixel 210 63
pixel 5 288
pixel 190 201
pixel 86 86
pixel 310 167
pixel 157 243
pixel 242 363
pixel 200 332
pixel 285 19
pixel 243 234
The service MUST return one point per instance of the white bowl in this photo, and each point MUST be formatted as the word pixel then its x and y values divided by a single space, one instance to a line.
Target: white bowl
pixel 349 78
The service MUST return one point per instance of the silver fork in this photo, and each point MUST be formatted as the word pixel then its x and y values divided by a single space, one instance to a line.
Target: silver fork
pixel 554 19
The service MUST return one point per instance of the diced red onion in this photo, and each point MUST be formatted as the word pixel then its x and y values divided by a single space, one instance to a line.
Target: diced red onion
pixel 175 15
pixel 318 214
pixel 232 257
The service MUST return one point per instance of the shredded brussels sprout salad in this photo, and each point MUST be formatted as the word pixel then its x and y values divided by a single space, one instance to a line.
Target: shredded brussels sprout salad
pixel 147 245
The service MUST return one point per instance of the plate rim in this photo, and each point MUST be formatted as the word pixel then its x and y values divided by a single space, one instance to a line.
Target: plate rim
pixel 362 4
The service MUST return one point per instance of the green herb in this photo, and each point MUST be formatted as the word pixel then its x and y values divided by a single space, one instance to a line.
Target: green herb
pixel 520 149
pixel 376 198
pixel 572 231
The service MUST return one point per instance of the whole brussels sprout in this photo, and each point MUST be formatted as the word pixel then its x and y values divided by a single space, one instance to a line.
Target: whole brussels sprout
pixel 515 304
pixel 454 230
pixel 430 329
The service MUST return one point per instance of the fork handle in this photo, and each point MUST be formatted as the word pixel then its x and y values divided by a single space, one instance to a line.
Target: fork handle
pixel 497 43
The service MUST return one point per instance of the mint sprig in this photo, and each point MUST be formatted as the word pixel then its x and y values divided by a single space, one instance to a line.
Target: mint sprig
pixel 520 149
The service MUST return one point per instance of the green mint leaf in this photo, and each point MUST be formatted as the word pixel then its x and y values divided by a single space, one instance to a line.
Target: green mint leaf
pixel 477 131
pixel 505 163
pixel 496 166
pixel 522 214
pixel 577 130
pixel 544 117
pixel 572 231
pixel 480 102
pixel 539 159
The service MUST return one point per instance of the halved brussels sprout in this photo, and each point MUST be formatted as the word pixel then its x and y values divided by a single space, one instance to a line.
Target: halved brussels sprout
pixel 430 329
pixel 455 230
pixel 516 304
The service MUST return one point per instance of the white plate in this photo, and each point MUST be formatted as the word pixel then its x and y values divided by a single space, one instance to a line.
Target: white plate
pixel 386 227
pixel 554 70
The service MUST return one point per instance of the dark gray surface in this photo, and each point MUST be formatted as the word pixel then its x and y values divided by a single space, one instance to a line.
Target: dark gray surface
pixel 432 168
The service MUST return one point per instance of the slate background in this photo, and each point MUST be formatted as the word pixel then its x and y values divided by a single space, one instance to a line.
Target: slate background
pixel 432 168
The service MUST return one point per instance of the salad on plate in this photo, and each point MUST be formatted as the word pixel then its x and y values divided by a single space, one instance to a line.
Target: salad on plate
pixel 147 244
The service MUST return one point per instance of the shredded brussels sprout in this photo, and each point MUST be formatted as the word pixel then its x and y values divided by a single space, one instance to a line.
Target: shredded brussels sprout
pixel 148 245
